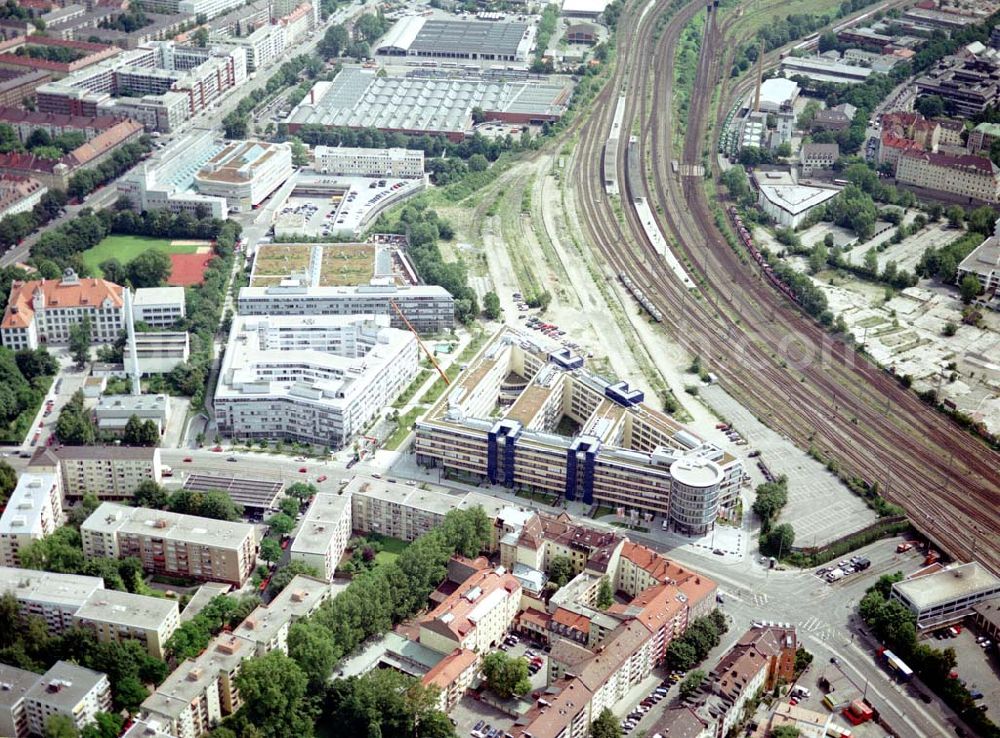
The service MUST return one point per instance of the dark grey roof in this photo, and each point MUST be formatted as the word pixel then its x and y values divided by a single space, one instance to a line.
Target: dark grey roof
pixel 467 37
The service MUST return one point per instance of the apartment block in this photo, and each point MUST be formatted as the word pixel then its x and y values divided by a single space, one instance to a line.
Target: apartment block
pixel 109 472
pixel 264 46
pixel 348 160
pixel 55 598
pixel 159 307
pixel 118 616
pixel 452 676
pixel 478 610
pixel 428 308
pixel 172 544
pixel 266 628
pixel 500 421
pixel 537 539
pixel 402 511
pixel 19 194
pixel 14 686
pixel 33 511
pixel 317 379
pixel 967 176
pixel 323 533
pixel 43 311
pixel 68 690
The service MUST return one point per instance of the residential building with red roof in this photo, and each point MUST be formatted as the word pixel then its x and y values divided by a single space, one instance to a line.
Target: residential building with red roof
pixel 19 194
pixel 452 675
pixel 543 537
pixel 973 178
pixel 43 311
pixel 476 614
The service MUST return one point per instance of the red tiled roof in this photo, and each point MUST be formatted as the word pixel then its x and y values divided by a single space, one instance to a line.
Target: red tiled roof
pixel 952 161
pixel 450 668
pixel 85 292
pixel 656 565
pixel 570 619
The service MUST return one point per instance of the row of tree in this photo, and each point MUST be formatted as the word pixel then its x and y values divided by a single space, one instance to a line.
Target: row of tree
pixel 85 181
pixel 14 228
pixel 23 383
pixel 694 644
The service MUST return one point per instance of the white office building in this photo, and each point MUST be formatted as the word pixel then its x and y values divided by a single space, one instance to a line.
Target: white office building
pixel 33 511
pixel 324 533
pixel 428 308
pixel 158 307
pixel 349 160
pixel 245 172
pixel 316 379
pixel 264 46
pixel 946 596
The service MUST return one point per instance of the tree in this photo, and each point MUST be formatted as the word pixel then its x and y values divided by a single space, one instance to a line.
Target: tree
pixel 691 682
pixel 969 288
pixel 280 524
pixel 560 570
pixel 79 341
pixel 505 674
pixel 300 154
pixel 149 494
pixel 606 726
pixel 105 725
pixel 60 726
pixel 605 597
pixel 335 40
pixel 491 306
pixel 286 574
pixel 200 37
pixel 681 654
pixel 113 271
pixel 151 268
pixel 955 215
pixel 275 702
pixel 140 433
pixel 467 533
pixel 37 363
pixel 818 257
pixel 950 329
pixel 785 731
pixel 802 659
pixel 309 644
pixel 301 490
pixel 385 702
pixel 270 550
pixel 289 506
pixel 930 106
pixel 778 541
pixel 8 481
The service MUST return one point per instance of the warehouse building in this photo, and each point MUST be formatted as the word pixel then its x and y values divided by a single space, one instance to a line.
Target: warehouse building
pixel 820 69
pixel 502 421
pixel 426 103
pixel 418 36
pixel 428 308
pixel 256 496
pixel 317 379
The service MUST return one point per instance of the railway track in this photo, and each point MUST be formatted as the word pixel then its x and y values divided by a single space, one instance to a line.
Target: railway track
pixel 836 402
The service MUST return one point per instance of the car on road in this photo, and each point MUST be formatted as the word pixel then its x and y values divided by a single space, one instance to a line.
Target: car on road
pixel 232 458
pixel 187 459
pixel 302 470
pixel 322 478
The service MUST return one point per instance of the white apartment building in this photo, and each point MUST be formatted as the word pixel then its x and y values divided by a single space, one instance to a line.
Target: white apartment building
pixel 429 308
pixel 43 311
pixel 245 172
pixel 264 46
pixel 158 307
pixel 33 511
pixel 267 626
pixel 399 163
pixel 324 533
pixel 146 729
pixel 317 379
pixel 118 616
pixel 14 686
pixel 55 598
pixel 171 543
pixel 476 615
pixel 208 8
pixel 967 176
pixel 68 690
pixel 109 472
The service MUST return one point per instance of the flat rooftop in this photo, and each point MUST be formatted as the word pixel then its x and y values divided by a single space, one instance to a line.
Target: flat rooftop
pixel 320 523
pixel 205 594
pixel 111 606
pixel 238 161
pixel 984 259
pixel 436 500
pixel 64 686
pixel 947 585
pixel 42 586
pixel 191 678
pixel 796 199
pixel 158 296
pixel 300 598
pixel 16 683
pixel 456 37
pixel 111 517
pixel 23 513
pixel 259 494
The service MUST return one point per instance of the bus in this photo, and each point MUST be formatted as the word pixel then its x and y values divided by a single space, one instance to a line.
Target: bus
pixel 896 666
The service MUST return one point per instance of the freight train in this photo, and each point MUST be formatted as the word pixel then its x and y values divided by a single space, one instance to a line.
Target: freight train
pixel 744 234
pixel 640 296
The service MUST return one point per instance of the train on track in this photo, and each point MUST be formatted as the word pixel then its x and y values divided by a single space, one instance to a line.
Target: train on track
pixel 744 233
pixel 640 296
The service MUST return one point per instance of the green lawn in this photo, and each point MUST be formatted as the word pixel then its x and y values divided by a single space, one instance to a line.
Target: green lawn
pixel 391 549
pixel 126 248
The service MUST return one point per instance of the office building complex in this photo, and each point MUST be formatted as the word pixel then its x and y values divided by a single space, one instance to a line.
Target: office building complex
pixel 428 308
pixel 172 544
pixel 13 713
pixel 418 36
pixel 159 84
pixel 70 691
pixel 352 161
pixel 107 472
pixel 119 616
pixel 244 173
pixel 356 98
pixel 55 598
pixel 968 84
pixel 317 379
pixel 945 597
pixel 43 311
pixel 499 422
pixel 158 353
pixel 33 511
pixel 323 533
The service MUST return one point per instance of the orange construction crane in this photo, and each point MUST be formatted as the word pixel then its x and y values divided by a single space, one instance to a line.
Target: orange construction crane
pixel 430 354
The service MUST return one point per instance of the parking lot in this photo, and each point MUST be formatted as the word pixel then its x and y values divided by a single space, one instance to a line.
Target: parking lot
pixel 843 568
pixel 977 666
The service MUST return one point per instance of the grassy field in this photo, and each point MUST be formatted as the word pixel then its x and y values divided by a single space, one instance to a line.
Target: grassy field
pixel 391 549
pixel 126 248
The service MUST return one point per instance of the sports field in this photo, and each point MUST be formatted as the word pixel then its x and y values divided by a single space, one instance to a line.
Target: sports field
pixel 126 248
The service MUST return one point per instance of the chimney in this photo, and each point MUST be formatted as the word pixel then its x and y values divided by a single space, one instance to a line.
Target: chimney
pixel 760 77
